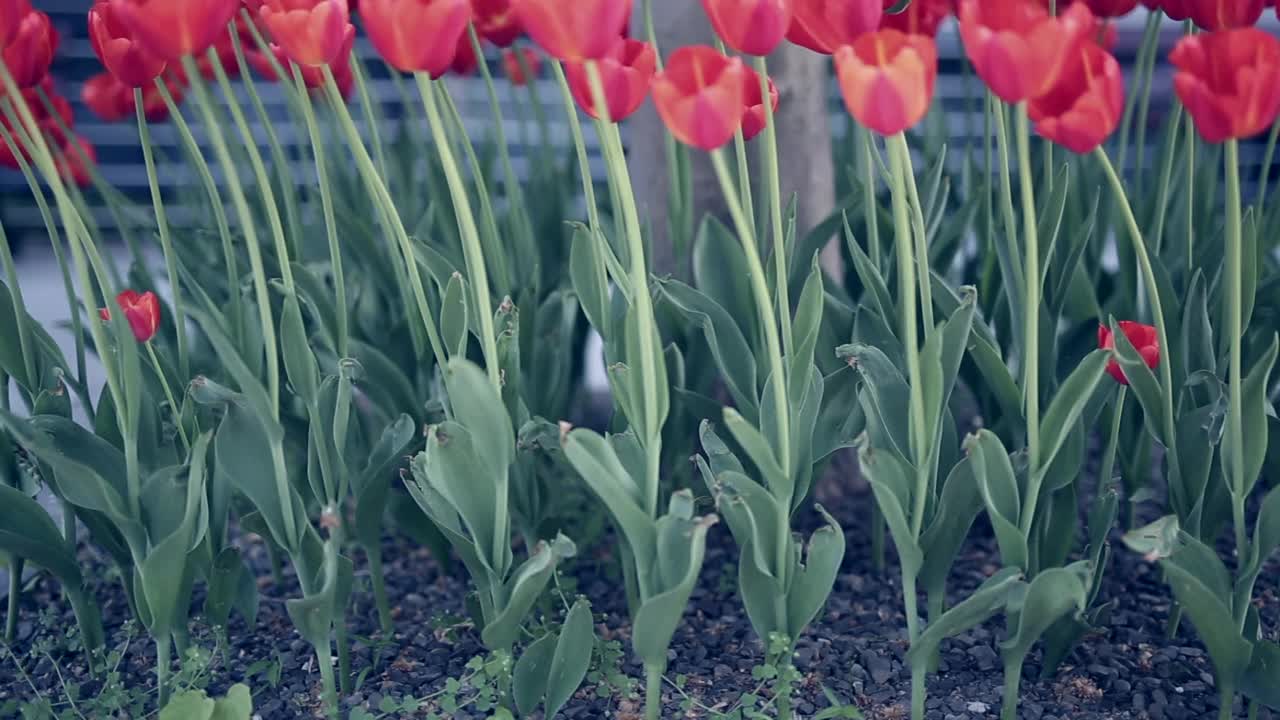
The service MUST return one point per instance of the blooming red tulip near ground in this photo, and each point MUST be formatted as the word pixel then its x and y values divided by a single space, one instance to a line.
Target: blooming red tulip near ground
pixel 30 50
pixel 699 96
pixel 753 121
pixel 416 35
pixel 1143 338
pixel 514 71
pixel 578 30
pixel 115 47
pixel 887 79
pixel 311 32
pixel 752 27
pixel 171 29
pixel 625 74
pixel 1229 81
pixel 141 310
pixel 824 25
pixel 1082 110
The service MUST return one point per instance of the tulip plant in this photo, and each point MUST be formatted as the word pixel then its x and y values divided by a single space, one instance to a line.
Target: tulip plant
pixel 398 296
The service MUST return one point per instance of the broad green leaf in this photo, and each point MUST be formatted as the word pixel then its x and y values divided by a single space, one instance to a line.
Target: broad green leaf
pixel 572 657
pixel 295 348
pixel 805 329
pixel 812 582
pixel 454 316
pixel 167 559
pixel 188 705
pixel 724 337
pixel 876 290
pixel 1051 595
pixel 1255 412
pixel 760 452
pixel 990 598
pixel 597 462
pixel 892 482
pixel 374 482
pixel 529 678
pixel 958 506
pixel 885 398
pixel 236 705
pixel 1068 404
pixel 478 407
pixel 999 489
pixel 1261 680
pixel 522 591
pixel 656 619
pixel 590 281
pixel 1199 582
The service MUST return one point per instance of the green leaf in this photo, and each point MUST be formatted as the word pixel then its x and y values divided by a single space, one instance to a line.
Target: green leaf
pixel 478 407
pixel 374 482
pixel 805 329
pixel 590 282
pixel 188 705
pixel 597 462
pixel 885 399
pixel 572 657
pixel 1199 582
pixel 891 481
pixel 454 316
pixel 999 489
pixel 167 559
pixel 958 506
pixel 656 619
pixel 1261 680
pixel 1254 414
pixel 990 598
pixel 729 348
pixel 522 591
pixel 1051 595
pixel 812 582
pixel 1067 406
pixel 870 278
pixel 1143 383
pixel 760 452
pixel 529 678
pixel 236 705
pixel 295 347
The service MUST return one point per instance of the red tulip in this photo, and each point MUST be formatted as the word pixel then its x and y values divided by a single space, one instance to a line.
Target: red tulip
pixel 115 47
pixel 141 310
pixel 1175 9
pixel 753 27
pixel 887 79
pixel 699 96
pixel 578 30
pixel 515 72
pixel 1225 14
pixel 922 17
pixel 1084 107
pixel 170 29
pixel 104 95
pixel 312 32
pixel 824 25
pixel 74 159
pixel 416 35
pixel 1017 48
pixel 30 52
pixel 1103 8
pixel 465 61
pixel 1144 339
pixel 625 74
pixel 496 21
pixel 754 120
pixel 1229 81
pixel 312 77
pixel 11 13
pixel 50 126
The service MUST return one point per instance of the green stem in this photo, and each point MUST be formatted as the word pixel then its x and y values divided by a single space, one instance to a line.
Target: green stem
pixel 372 116
pixel 374 553
pixel 168 395
pixel 869 205
pixel 1166 174
pixel 166 242
pixel 16 568
pixel 918 690
pixel 653 692
pixel 1226 698
pixel 25 345
pixel 1012 680
pixel 163 658
pixel 918 231
pixel 216 205
pixel 1031 339
pixel 781 252
pixel 381 196
pixel 324 657
pixel 1006 196
pixel 1189 135
pixel 471 250
pixel 1151 42
pixel 326 205
pixel 1233 285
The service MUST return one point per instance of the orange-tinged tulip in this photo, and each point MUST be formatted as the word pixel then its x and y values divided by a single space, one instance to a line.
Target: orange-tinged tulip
pixel 496 21
pixel 1229 81
pixel 1084 108
pixel 699 96
pixel 922 17
pixel 754 120
pixel 416 35
pixel 625 74
pixel 753 27
pixel 515 71
pixel 115 47
pixel 1017 48
pixel 311 32
pixel 312 77
pixel 141 310
pixel 824 25
pixel 30 52
pixel 170 29
pixel 887 79
pixel 1225 14
pixel 578 30
pixel 1144 339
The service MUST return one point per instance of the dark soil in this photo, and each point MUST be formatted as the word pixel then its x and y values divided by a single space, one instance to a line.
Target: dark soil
pixel 1126 670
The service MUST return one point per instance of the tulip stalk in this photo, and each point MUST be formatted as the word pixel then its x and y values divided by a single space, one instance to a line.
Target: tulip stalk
pixel 1031 334
pixel 166 244
pixel 769 151
pixel 1233 284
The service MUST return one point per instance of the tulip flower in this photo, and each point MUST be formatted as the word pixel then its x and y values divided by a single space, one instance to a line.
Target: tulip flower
pixel 753 121
pixel 115 47
pixel 170 29
pixel 887 79
pixel 512 67
pixel 1017 48
pixel 1084 107
pixel 1229 81
pixel 752 27
pixel 578 30
pixel 11 14
pixel 50 126
pixel 141 310
pixel 496 21
pixel 465 61
pixel 311 32
pixel 1102 8
pixel 104 95
pixel 699 96
pixel 30 51
pixel 1175 9
pixel 72 162
pixel 625 74
pixel 416 35
pixel 922 17
pixel 1143 338
pixel 824 25
pixel 312 77
pixel 1225 14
